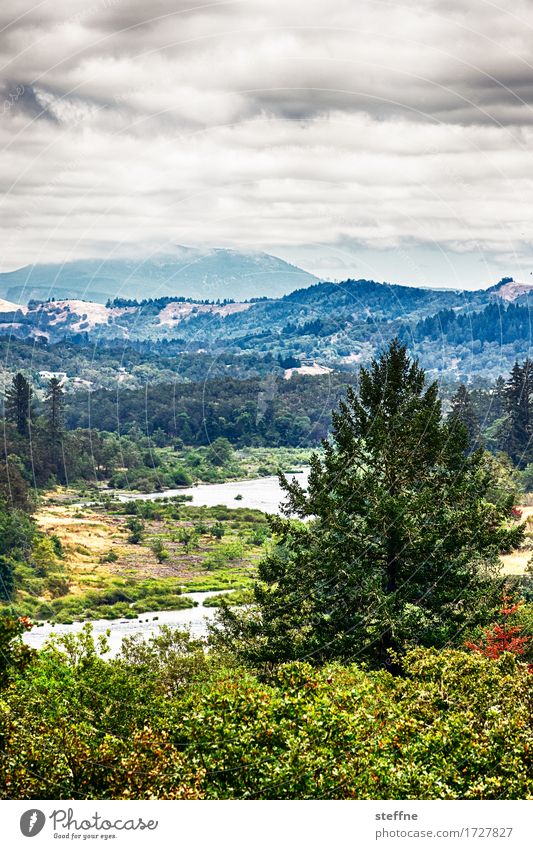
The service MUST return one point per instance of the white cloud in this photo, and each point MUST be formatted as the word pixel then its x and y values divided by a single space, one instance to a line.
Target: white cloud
pixel 369 127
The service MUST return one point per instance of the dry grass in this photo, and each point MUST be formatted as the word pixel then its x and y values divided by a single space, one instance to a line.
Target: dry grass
pixel 88 536
pixel 85 542
pixel 515 563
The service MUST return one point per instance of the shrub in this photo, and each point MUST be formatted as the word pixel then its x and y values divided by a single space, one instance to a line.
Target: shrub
pixel 7 579
pixel 136 528
pixel 158 548
pixel 110 557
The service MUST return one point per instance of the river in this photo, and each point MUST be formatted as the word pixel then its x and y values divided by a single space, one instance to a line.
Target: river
pixel 193 619
pixel 257 494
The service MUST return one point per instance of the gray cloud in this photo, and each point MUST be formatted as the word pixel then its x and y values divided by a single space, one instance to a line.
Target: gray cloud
pixel 21 97
pixel 380 125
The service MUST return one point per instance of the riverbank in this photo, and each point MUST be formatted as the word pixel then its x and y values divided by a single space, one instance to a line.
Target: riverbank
pixel 123 558
pixel 194 619
pixel 134 555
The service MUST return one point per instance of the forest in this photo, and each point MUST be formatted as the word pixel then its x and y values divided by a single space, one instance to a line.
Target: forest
pixel 457 335
pixel 370 647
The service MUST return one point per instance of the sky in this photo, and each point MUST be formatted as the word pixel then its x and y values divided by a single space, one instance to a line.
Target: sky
pixel 356 138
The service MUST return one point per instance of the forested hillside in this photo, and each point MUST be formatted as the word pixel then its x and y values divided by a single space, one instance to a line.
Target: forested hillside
pixel 459 334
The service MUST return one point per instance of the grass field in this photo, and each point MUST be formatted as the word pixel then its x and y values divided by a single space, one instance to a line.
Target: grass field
pixel 181 548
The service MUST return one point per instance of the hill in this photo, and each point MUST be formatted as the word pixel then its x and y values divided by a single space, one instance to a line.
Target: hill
pixel 190 272
pixel 321 327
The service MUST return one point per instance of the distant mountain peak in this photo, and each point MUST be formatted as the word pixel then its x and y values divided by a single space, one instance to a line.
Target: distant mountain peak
pixel 200 273
pixel 509 289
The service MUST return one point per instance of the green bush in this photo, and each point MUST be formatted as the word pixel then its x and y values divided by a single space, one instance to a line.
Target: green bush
pixel 7 578
pixel 166 720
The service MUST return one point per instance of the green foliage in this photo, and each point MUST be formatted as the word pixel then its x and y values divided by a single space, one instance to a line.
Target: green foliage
pixel 158 548
pixel 122 598
pixel 517 428
pixel 17 531
pixel 233 598
pixel 110 557
pixel 188 537
pixel 136 528
pixel 18 404
pixel 167 720
pixel 218 530
pixel 220 451
pixel 401 544
pixel 223 554
pixel 14 655
pixel 463 411
pixel 260 535
pixel 7 578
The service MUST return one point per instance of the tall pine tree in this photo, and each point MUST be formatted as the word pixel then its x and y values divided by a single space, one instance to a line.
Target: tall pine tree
pixel 517 430
pixel 462 410
pixel 18 404
pixel 400 544
pixel 54 404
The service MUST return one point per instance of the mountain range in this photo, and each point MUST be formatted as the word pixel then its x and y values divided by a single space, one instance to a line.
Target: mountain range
pixel 324 325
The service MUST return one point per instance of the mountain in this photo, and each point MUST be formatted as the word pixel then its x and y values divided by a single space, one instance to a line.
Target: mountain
pixel 9 307
pixel 216 273
pixel 320 310
pixel 322 326
pixel 510 289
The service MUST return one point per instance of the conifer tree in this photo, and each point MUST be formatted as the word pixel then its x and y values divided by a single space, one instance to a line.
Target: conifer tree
pixel 462 410
pixel 54 404
pixel 400 545
pixel 517 430
pixel 18 404
pixel 498 405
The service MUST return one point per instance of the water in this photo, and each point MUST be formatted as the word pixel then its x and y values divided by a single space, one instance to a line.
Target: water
pixel 257 494
pixel 193 618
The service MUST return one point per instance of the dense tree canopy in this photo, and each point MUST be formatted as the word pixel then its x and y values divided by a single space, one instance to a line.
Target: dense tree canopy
pixel 400 544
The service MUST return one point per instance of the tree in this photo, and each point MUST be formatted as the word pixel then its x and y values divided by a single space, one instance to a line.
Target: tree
pixel 188 537
pixel 159 550
pixel 400 546
pixel 498 398
pixel 14 655
pixel 220 452
pixel 7 579
pixel 54 404
pixel 503 636
pixel 517 430
pixel 18 404
pixel 14 489
pixel 136 528
pixel 462 410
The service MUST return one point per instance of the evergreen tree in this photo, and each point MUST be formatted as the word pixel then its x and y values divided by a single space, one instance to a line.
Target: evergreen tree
pixel 498 402
pixel 7 579
pixel 517 430
pixel 55 408
pixel 18 404
pixel 400 545
pixel 462 410
pixel 54 404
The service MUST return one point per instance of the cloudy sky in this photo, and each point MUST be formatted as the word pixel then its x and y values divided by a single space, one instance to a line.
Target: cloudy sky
pixel 391 140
